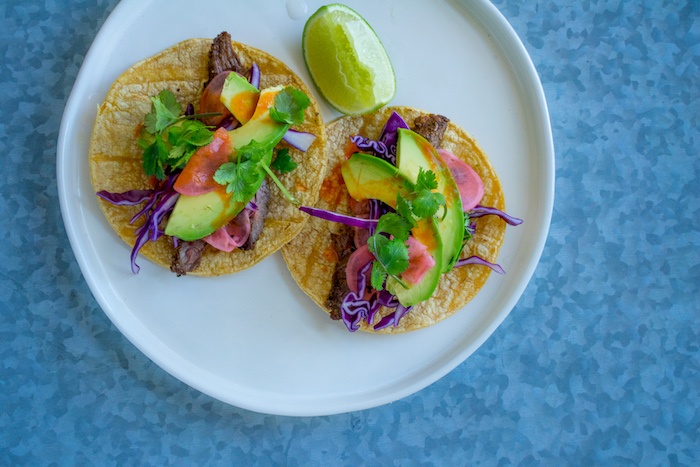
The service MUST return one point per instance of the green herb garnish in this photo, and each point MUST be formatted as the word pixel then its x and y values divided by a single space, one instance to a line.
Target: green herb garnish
pixel 169 139
pixel 388 244
pixel 391 258
pixel 243 177
pixel 283 162
pixel 289 107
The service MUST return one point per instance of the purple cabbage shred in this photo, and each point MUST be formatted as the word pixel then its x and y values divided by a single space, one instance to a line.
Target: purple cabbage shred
pixel 478 260
pixel 128 198
pixel 481 211
pixel 385 146
pixel 255 75
pixel 390 132
pixel 340 218
pixel 159 203
pixel 355 309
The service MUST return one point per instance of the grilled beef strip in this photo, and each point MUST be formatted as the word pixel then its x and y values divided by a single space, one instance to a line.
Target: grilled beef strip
pixel 344 245
pixel 187 256
pixel 257 218
pixel 222 57
pixel 431 127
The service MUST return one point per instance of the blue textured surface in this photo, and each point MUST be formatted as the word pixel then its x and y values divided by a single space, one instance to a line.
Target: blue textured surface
pixel 598 362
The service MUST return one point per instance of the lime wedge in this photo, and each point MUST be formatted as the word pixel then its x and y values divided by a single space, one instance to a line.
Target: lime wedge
pixel 347 61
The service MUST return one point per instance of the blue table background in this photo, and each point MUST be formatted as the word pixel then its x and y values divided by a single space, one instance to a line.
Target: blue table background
pixel 597 363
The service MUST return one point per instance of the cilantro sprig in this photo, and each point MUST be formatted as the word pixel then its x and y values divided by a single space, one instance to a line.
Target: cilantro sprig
pixel 289 107
pixel 168 138
pixel 422 201
pixel 388 244
pixel 242 177
pixel 283 162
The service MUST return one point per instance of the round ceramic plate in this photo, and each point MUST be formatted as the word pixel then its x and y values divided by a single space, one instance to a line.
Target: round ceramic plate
pixel 253 339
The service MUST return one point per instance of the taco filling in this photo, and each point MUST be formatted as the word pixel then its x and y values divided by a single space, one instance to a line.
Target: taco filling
pixel 208 161
pixel 412 209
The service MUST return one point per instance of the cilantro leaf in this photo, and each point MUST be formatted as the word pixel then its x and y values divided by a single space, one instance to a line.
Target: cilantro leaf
pixel 421 202
pixel 283 162
pixel 394 225
pixel 153 158
pixel 404 209
pixel 378 276
pixel 426 180
pixel 289 107
pixel 391 253
pixel 196 133
pixel 169 138
pixel 165 110
pixel 243 177
pixel 184 139
pixel 427 203
pixel 145 139
pixel 226 173
pixel 239 178
pixel 253 151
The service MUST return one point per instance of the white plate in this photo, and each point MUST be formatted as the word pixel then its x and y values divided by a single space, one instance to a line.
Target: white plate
pixel 253 339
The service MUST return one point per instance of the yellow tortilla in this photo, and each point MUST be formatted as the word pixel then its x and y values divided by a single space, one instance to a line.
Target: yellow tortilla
pixel 115 157
pixel 311 258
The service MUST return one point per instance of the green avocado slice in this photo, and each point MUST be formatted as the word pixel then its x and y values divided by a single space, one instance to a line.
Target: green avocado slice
pixel 414 152
pixel 240 97
pixel 195 217
pixel 369 177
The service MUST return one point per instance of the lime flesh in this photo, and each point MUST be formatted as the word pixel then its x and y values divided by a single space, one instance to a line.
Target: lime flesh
pixel 347 61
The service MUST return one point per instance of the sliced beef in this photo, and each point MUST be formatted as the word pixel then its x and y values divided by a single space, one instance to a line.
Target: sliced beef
pixel 431 127
pixel 222 57
pixel 257 218
pixel 187 256
pixel 343 243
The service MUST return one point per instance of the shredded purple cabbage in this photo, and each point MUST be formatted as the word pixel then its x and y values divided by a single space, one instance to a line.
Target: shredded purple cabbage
pixel 340 218
pixel 159 202
pixel 376 148
pixel 390 132
pixel 255 75
pixel 376 210
pixel 478 260
pixel 393 318
pixel 128 198
pixel 481 211
pixel 385 146
pixel 354 309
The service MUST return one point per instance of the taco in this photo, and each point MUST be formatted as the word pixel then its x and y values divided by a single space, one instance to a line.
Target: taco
pixel 203 128
pixel 370 199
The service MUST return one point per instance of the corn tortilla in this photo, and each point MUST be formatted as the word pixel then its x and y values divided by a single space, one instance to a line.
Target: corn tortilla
pixel 115 157
pixel 311 258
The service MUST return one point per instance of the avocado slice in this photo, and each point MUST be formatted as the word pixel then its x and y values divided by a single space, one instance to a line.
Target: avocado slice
pixel 414 152
pixel 369 177
pixel 195 217
pixel 240 97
